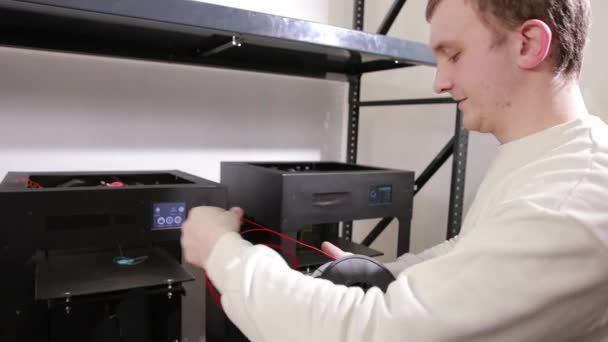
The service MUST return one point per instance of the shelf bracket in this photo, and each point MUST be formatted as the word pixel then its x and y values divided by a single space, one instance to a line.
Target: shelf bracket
pixel 235 41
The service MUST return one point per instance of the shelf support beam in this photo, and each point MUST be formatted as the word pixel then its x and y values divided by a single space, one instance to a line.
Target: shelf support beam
pixel 438 100
pixel 390 17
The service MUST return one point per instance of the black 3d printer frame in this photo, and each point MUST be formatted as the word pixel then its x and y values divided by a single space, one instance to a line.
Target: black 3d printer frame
pixel 43 286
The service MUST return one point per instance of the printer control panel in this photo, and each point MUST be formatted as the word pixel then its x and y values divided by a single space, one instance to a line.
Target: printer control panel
pixel 381 194
pixel 168 215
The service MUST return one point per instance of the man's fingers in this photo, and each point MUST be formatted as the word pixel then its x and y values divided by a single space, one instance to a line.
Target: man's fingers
pixel 333 250
pixel 238 211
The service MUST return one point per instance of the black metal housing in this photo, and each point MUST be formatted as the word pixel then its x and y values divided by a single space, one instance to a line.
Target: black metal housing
pixel 289 195
pixel 56 251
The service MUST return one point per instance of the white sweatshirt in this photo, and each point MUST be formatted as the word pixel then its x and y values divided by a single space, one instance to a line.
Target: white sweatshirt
pixel 531 263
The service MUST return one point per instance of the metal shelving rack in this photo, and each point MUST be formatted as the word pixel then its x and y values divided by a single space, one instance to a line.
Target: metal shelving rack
pixel 197 33
pixel 457 146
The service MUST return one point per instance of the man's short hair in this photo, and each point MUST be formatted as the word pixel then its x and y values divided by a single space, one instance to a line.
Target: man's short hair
pixel 567 19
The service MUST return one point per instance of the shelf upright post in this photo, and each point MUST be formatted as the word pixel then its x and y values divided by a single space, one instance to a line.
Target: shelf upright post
pixel 457 147
pixel 459 166
pixel 354 96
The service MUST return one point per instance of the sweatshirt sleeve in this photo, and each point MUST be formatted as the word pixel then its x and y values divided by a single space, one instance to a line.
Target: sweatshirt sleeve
pixel 525 275
pixel 409 259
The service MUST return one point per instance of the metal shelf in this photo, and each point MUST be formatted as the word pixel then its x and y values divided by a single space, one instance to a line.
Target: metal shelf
pixel 198 33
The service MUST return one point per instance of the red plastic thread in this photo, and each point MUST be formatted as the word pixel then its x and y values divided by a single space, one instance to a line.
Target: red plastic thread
pixel 284 237
pixel 294 259
pixel 30 183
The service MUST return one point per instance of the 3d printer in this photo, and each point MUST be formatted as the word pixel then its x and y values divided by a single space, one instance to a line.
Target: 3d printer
pixel 94 256
pixel 308 201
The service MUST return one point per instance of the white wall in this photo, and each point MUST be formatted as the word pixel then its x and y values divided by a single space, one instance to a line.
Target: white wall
pixel 410 137
pixel 595 68
pixel 312 10
pixel 72 112
pixel 69 112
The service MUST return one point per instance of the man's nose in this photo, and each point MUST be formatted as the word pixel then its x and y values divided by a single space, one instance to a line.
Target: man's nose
pixel 443 83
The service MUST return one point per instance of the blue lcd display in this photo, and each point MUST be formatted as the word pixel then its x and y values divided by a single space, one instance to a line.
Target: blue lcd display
pixel 167 215
pixel 382 194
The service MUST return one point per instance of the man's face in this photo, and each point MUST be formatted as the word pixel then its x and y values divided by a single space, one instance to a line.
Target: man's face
pixel 471 66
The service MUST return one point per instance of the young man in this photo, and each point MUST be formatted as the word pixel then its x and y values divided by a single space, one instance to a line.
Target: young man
pixel 531 263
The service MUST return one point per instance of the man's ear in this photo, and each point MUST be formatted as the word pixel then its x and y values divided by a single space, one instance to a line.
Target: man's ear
pixel 535 36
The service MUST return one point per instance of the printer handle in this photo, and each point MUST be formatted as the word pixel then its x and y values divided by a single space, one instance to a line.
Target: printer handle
pixel 329 199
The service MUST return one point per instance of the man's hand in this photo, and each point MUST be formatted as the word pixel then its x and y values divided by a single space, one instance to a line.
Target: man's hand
pixel 203 228
pixel 333 250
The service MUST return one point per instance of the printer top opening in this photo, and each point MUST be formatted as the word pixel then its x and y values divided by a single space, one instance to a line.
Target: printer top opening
pixel 315 167
pixel 103 180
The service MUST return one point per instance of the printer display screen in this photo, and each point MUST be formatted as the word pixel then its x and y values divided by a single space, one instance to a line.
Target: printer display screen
pixel 168 215
pixel 382 194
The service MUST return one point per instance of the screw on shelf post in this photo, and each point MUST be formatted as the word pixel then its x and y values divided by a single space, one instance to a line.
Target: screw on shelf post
pixel 67 308
pixel 170 288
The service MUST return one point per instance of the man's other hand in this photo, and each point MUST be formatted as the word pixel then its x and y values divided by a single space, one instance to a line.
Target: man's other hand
pixel 333 250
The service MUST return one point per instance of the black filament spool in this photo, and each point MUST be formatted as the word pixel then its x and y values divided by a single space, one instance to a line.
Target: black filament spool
pixel 356 270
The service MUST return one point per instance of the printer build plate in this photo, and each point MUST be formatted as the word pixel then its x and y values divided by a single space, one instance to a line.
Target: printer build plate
pixel 87 273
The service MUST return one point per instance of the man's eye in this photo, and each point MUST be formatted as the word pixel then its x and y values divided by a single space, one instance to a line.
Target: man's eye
pixel 455 57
